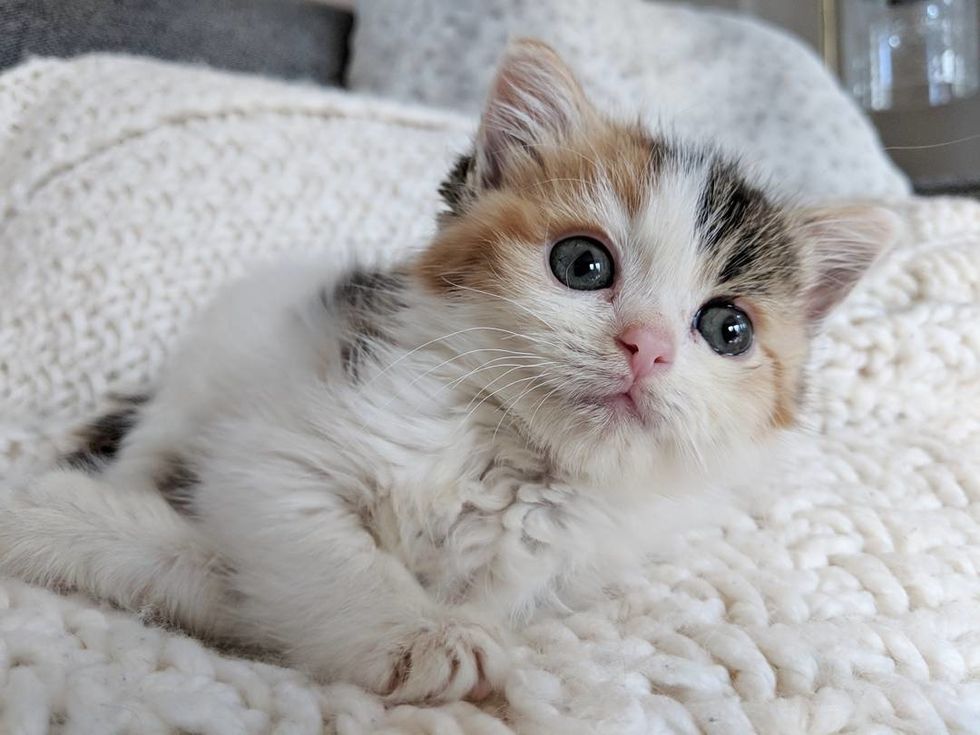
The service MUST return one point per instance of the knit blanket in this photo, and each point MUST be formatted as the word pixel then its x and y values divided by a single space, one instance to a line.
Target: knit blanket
pixel 848 602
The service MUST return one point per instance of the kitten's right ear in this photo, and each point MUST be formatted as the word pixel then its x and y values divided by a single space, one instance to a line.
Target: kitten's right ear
pixel 534 99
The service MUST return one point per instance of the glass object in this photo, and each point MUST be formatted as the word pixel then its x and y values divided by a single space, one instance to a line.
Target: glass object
pixel 902 54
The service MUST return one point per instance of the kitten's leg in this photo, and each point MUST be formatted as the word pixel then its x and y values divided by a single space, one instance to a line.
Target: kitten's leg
pixel 316 585
pixel 68 529
pixel 309 572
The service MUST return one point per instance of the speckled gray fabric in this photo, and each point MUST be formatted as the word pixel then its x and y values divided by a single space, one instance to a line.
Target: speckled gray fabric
pixel 755 90
pixel 292 39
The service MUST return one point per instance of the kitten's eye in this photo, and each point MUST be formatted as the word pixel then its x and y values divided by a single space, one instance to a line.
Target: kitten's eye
pixel 582 263
pixel 726 328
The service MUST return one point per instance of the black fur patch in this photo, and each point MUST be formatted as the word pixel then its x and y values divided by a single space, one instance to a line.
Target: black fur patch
pixel 99 441
pixel 366 302
pixel 455 189
pixel 176 480
pixel 660 152
pixel 727 203
pixel 358 349
pixel 370 292
pixel 744 232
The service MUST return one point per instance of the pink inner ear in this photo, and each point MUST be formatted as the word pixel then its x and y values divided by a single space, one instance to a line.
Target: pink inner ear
pixel 845 241
pixel 833 287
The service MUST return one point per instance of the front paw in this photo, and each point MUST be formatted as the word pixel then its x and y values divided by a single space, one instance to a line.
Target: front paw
pixel 446 662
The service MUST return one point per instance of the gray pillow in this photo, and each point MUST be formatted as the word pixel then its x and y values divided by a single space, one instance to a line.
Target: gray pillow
pixel 704 74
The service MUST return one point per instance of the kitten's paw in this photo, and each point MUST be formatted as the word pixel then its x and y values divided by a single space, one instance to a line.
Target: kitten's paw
pixel 445 663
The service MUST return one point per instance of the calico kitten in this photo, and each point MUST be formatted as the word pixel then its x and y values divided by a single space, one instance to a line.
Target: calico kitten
pixel 380 474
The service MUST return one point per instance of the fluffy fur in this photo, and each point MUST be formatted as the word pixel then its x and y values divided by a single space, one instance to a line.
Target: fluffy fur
pixel 379 473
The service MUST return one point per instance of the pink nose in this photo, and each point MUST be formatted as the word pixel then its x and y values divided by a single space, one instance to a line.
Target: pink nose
pixel 649 349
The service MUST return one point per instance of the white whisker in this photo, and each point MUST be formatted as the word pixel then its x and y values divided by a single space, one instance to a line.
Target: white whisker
pixel 432 342
pixel 491 395
pixel 502 298
pixel 514 402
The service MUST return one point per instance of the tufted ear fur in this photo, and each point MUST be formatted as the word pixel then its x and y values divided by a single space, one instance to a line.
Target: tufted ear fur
pixel 534 99
pixel 845 241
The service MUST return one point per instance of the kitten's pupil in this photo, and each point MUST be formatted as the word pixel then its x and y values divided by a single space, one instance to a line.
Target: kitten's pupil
pixel 585 264
pixel 732 329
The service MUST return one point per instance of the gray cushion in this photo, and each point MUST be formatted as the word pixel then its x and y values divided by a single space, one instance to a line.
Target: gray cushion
pixel 290 39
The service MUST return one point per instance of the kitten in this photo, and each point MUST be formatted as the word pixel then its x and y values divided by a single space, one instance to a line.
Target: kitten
pixel 381 473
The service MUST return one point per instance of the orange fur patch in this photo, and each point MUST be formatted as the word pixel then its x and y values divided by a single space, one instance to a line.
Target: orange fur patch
pixel 784 408
pixel 785 350
pixel 544 194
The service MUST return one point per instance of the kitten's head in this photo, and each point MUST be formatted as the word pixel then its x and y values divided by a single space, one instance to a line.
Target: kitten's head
pixel 642 301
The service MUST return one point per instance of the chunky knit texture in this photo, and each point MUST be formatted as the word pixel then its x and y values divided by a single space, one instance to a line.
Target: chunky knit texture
pixel 850 602
pixel 708 74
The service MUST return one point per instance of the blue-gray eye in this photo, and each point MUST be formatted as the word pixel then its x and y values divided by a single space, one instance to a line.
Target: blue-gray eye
pixel 582 263
pixel 726 328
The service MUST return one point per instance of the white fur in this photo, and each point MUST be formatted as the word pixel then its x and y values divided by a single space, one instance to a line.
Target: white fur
pixel 291 462
pixel 389 529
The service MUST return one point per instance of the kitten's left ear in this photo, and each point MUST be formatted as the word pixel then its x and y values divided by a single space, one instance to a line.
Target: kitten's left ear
pixel 844 242
pixel 534 100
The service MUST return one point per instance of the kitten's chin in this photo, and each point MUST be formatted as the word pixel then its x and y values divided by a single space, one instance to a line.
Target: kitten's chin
pixel 624 442
pixel 600 440
pixel 644 468
pixel 610 451
pixel 615 466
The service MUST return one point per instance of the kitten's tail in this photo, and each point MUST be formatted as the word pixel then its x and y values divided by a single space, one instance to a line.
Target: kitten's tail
pixel 69 530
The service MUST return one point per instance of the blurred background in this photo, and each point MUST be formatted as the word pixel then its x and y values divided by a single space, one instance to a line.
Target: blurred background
pixel 911 64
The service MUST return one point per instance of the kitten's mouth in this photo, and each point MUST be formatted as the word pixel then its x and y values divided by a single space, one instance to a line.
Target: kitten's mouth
pixel 628 406
pixel 624 403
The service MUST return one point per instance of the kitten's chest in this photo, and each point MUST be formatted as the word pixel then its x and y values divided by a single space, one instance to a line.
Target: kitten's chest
pixel 504 534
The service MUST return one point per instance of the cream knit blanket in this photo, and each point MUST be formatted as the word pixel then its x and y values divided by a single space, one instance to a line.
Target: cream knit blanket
pixel 129 190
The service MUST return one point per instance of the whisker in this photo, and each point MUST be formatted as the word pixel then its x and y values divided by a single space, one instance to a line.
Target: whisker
pixel 490 395
pixel 510 354
pixel 512 367
pixel 432 342
pixel 513 403
pixel 541 403
pixel 502 298
pixel 965 139
pixel 503 375
pixel 489 365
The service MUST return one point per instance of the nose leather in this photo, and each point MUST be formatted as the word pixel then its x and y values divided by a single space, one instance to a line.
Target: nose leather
pixel 649 349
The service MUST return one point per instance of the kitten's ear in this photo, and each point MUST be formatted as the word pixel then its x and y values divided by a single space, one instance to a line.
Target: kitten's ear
pixel 844 242
pixel 534 99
